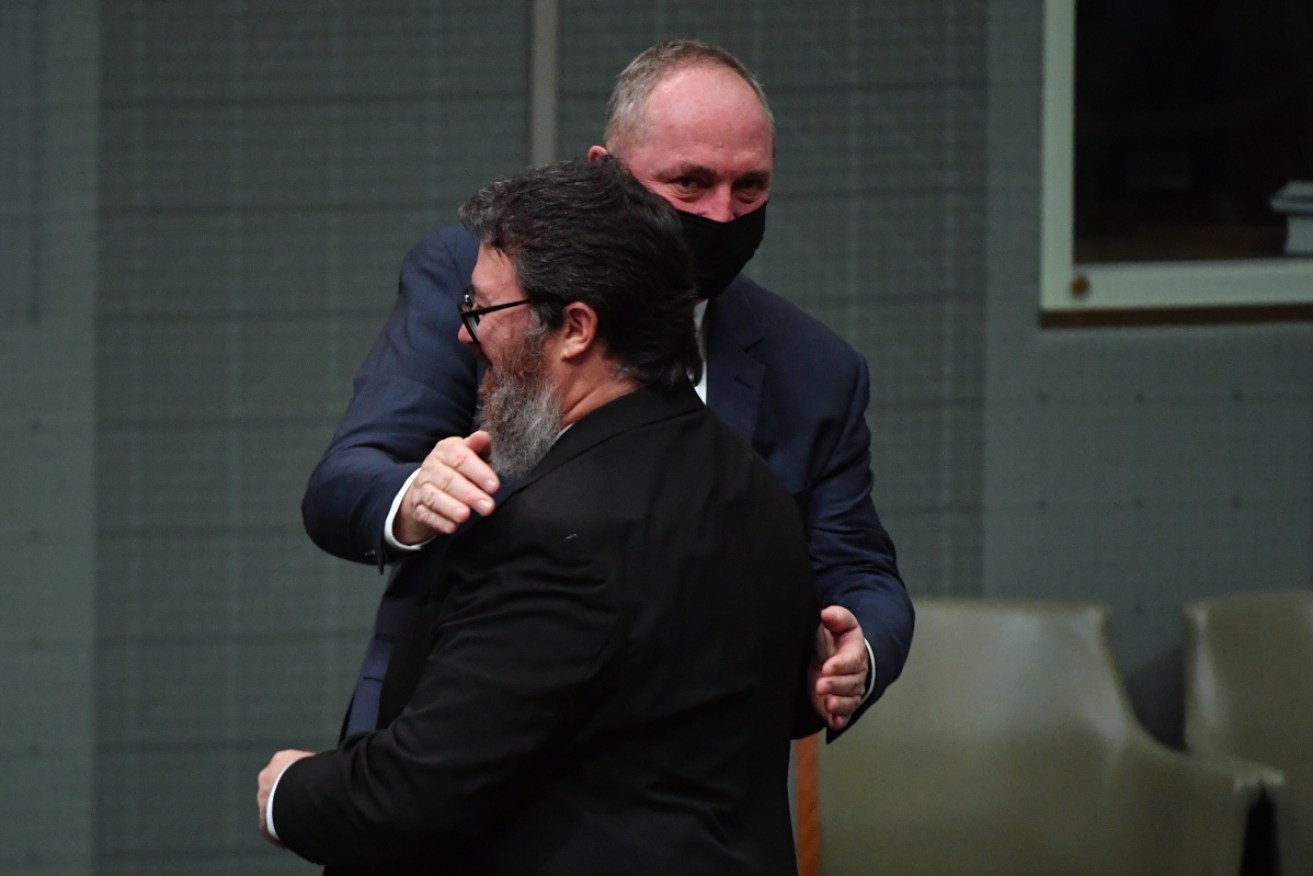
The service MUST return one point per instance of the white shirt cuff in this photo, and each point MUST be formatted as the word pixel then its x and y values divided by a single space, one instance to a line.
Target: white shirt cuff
pixel 269 806
pixel 392 516
pixel 870 678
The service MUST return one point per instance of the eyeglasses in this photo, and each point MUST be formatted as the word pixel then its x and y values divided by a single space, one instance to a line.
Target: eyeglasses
pixel 470 315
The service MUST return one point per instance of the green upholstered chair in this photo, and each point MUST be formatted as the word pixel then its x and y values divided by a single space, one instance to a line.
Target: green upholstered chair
pixel 1009 747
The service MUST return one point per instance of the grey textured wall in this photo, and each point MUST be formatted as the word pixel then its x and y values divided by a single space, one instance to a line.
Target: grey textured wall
pixel 202 209
pixel 48 127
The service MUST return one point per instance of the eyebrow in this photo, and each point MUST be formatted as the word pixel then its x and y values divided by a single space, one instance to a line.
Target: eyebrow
pixel 756 175
pixel 691 170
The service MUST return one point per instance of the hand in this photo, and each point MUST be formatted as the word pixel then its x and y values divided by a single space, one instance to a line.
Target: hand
pixel 454 480
pixel 265 782
pixel 836 678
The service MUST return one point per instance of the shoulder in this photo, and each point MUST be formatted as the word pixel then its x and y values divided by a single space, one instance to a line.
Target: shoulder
pixel 451 239
pixel 773 326
pixel 447 251
pixel 629 448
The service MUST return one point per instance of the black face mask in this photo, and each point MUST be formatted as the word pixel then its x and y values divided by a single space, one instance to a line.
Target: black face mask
pixel 721 249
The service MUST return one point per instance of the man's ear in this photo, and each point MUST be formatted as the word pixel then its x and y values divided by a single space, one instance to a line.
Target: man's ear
pixel 578 330
pixel 597 152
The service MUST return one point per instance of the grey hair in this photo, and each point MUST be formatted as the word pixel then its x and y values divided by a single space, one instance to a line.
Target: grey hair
pixel 626 116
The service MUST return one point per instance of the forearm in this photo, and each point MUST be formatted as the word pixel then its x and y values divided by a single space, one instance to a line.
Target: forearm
pixel 314 814
pixel 852 554
pixel 417 385
pixel 346 503
pixel 435 778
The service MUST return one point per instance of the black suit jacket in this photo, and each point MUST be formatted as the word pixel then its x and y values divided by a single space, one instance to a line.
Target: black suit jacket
pixel 615 670
pixel 779 378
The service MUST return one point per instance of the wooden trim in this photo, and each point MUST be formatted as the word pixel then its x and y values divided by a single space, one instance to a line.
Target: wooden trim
pixel 807 810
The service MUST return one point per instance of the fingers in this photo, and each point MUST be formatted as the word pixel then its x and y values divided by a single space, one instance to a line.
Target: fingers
pixel 848 662
pixel 844 674
pixel 481 443
pixel 841 682
pixel 839 711
pixel 836 709
pixel 849 685
pixel 839 620
pixel 445 503
pixel 822 646
pixel 454 481
pixel 458 468
pixel 846 665
pixel 839 695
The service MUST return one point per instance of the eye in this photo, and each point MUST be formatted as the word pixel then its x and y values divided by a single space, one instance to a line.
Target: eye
pixel 751 189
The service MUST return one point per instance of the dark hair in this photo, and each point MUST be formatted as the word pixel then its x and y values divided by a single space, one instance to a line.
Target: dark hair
pixel 589 232
pixel 626 111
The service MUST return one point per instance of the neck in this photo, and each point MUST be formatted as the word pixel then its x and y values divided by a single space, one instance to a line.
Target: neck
pixel 584 399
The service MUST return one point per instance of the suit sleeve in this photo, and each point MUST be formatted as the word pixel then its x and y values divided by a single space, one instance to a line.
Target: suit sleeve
pixel 517 660
pixel 852 555
pixel 416 387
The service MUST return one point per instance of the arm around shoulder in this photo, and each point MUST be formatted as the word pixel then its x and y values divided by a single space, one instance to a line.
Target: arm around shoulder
pixel 417 385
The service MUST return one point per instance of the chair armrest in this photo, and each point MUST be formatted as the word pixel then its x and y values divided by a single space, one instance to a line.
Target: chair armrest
pixel 1205 772
pixel 1247 774
pixel 1202 802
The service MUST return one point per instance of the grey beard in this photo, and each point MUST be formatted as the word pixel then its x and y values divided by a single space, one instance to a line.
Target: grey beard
pixel 523 417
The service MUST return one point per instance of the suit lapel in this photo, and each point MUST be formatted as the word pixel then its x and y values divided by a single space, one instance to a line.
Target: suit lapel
pixel 734 377
pixel 631 411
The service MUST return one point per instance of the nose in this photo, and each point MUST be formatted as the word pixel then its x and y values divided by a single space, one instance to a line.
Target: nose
pixel 717 205
pixel 463 335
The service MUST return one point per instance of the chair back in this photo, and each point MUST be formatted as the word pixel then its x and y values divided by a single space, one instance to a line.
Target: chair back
pixel 1248 662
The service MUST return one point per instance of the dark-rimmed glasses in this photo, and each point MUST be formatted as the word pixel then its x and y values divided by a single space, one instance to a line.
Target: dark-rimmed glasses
pixel 470 315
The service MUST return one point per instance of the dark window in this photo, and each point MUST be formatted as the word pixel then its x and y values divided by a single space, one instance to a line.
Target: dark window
pixel 1189 117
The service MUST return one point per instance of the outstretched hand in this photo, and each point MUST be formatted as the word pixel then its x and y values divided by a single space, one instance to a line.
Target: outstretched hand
pixel 454 481
pixel 836 677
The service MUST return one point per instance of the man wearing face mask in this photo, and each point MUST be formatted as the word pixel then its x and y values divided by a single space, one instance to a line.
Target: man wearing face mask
pixel 691 123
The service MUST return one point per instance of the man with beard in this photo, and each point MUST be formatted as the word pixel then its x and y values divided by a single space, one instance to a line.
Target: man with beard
pixel 616 658
pixel 692 124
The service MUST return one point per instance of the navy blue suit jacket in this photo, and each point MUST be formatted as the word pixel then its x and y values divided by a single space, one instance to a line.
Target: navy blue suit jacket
pixel 789 385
